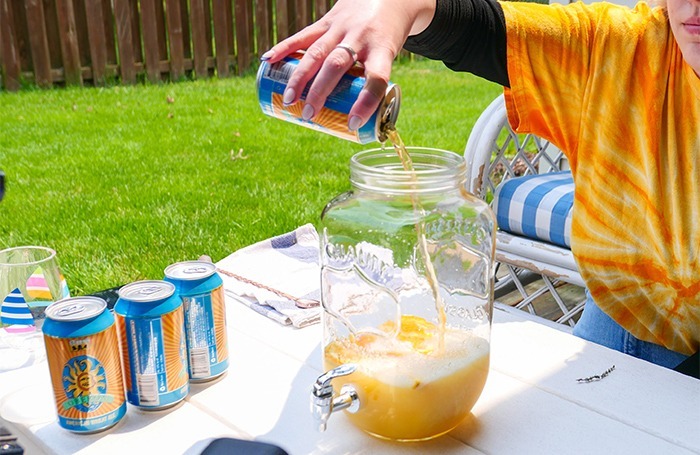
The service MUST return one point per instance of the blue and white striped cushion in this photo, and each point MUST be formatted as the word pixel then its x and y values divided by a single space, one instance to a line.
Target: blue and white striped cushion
pixel 537 206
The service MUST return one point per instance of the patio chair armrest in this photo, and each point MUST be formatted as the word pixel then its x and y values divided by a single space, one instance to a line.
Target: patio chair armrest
pixel 478 150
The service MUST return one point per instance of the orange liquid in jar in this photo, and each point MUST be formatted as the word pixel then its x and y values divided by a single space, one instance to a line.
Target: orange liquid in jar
pixel 415 386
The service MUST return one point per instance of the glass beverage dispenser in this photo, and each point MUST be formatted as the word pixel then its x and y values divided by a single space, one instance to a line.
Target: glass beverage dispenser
pixel 407 292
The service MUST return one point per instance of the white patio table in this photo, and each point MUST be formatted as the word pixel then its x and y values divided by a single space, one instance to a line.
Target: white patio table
pixel 532 403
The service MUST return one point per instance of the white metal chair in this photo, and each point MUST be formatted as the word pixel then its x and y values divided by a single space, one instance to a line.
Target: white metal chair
pixel 536 269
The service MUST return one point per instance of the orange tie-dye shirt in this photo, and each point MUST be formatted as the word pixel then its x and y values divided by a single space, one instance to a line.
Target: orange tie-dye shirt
pixel 610 87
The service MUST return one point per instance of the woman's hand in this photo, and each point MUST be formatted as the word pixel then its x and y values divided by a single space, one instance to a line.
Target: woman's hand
pixel 369 31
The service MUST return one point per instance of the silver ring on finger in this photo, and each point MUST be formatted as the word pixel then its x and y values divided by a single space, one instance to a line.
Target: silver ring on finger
pixel 349 50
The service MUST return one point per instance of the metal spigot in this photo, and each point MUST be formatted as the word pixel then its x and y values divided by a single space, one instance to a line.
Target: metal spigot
pixel 322 401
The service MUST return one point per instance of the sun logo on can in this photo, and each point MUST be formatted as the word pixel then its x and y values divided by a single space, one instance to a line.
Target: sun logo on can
pixel 85 383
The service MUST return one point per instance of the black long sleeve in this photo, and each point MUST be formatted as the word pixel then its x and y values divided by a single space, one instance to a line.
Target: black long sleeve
pixel 467 35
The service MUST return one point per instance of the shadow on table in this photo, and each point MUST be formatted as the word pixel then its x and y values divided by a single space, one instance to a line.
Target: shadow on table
pixel 539 380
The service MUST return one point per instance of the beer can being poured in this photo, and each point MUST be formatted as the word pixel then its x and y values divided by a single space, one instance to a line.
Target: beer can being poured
pixel 333 118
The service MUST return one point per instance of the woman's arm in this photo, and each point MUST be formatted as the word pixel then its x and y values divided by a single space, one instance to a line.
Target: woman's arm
pixel 467 34
pixel 375 29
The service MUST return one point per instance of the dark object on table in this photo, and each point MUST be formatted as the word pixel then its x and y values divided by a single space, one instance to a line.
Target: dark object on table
pixel 10 448
pixel 690 366
pixel 109 295
pixel 226 446
pixel 8 443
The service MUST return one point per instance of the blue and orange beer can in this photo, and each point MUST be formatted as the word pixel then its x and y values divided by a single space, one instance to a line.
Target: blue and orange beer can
pixel 151 324
pixel 333 118
pixel 82 350
pixel 201 290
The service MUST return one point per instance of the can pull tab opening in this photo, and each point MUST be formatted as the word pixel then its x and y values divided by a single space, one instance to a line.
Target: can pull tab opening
pixel 390 112
pixel 323 401
pixel 387 116
pixel 70 310
pixel 148 290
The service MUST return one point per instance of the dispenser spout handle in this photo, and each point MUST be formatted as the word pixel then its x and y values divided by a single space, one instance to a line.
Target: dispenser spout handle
pixel 323 386
pixel 323 402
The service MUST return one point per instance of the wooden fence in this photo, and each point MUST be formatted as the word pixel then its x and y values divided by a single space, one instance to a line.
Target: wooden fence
pixel 77 42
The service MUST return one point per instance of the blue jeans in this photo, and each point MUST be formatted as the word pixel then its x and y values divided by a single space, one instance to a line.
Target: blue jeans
pixel 599 328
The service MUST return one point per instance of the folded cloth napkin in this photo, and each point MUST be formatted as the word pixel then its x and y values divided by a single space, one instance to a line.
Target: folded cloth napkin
pixel 288 263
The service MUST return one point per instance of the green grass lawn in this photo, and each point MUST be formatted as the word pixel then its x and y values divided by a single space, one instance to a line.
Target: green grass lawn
pixel 123 181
